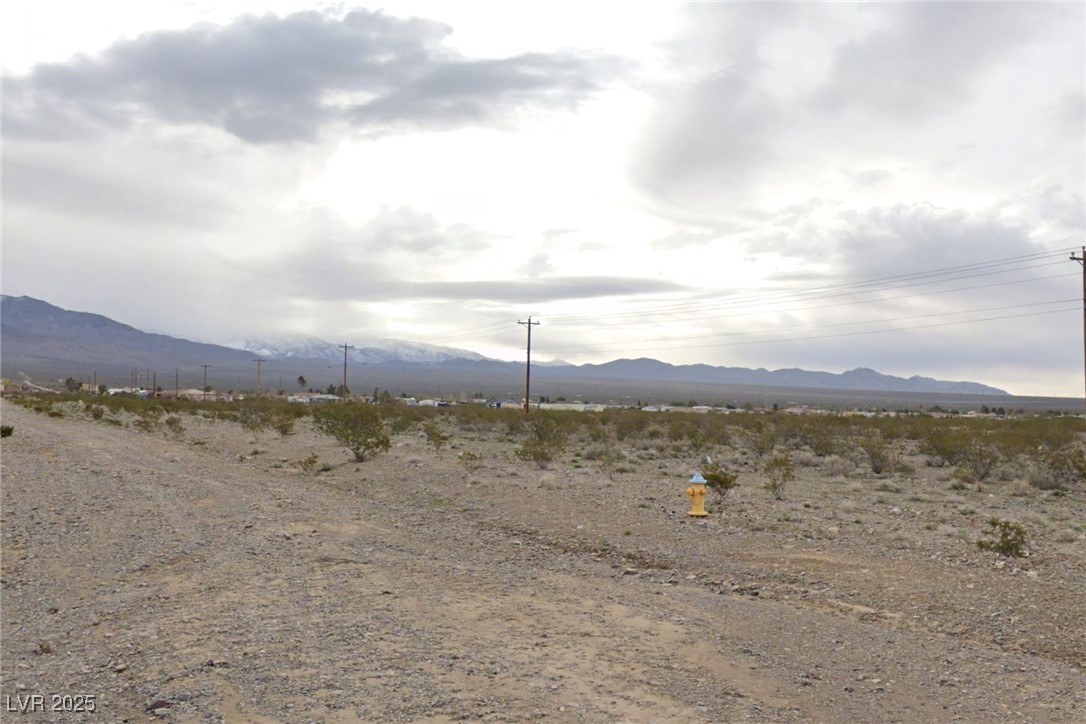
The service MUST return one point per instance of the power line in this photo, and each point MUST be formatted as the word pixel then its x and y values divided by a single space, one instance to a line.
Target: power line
pixel 882 299
pixel 850 290
pixel 825 326
pixel 781 297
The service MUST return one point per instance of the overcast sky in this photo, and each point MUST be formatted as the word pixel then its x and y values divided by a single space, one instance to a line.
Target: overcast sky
pixel 826 186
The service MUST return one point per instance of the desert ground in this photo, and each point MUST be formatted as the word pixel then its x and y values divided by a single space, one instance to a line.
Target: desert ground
pixel 209 573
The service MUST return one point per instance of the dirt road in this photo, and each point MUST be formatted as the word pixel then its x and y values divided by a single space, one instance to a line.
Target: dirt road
pixel 200 576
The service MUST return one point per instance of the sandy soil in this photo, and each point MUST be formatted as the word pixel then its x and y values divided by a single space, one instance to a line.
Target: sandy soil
pixel 205 576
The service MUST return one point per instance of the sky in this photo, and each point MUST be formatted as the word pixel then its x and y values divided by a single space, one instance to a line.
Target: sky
pixel 827 186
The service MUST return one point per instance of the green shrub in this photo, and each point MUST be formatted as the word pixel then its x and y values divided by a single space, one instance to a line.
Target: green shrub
pixel 719 480
pixel 545 441
pixel 1059 469
pixel 779 472
pixel 943 445
pixel 356 425
pixel 173 422
pixel 1008 539
pixel 879 452
pixel 763 438
pixel 434 435
pixel 6 430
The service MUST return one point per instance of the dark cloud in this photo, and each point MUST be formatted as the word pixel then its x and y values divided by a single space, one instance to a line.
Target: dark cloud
pixel 713 133
pixel 929 56
pixel 269 79
pixel 884 241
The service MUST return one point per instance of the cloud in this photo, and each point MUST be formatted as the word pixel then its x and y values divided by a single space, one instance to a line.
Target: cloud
pixel 765 101
pixel 884 241
pixel 269 79
pixel 928 56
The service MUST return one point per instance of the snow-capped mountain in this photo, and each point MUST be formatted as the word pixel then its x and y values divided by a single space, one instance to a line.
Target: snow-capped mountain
pixel 368 351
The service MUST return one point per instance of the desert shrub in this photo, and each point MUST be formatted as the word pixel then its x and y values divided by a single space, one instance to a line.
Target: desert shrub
pixel 976 461
pixel 1007 538
pixel 719 480
pixel 1059 469
pixel 514 424
pixel 880 454
pixel 434 435
pixel 148 418
pixel 610 460
pixel 596 430
pixel 400 418
pixel 763 438
pixel 779 472
pixel 174 424
pixel 97 412
pixel 629 423
pixel 309 463
pixel 823 437
pixel 262 413
pixel 471 461
pixel 943 445
pixel 837 466
pixel 546 439
pixel 6 430
pixel 356 425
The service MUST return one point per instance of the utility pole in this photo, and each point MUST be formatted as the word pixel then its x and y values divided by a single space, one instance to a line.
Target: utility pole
pixel 1081 259
pixel 154 384
pixel 205 366
pixel 345 347
pixel 259 361
pixel 528 369
pixel 177 383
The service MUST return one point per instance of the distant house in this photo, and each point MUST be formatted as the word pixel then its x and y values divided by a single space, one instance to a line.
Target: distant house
pixel 312 397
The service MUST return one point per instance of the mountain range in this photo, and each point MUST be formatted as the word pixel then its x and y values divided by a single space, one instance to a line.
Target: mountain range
pixel 39 338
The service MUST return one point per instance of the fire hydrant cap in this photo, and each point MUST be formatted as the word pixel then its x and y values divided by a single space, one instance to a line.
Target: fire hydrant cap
pixel 697 479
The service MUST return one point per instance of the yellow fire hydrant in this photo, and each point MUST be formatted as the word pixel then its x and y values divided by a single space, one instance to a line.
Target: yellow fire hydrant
pixel 696 493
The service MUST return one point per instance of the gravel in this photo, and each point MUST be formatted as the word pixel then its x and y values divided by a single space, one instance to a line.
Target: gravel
pixel 205 576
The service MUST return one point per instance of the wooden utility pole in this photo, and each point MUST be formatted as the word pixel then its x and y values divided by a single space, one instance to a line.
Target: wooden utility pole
pixel 1081 259
pixel 345 347
pixel 177 383
pixel 154 384
pixel 528 368
pixel 259 361
pixel 205 366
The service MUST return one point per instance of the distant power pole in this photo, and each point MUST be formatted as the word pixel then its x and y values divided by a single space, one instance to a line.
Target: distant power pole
pixel 177 383
pixel 259 361
pixel 154 384
pixel 205 366
pixel 528 369
pixel 345 347
pixel 1082 262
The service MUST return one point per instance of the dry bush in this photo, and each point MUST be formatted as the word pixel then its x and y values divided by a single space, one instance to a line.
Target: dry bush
pixel 780 472
pixel 837 466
